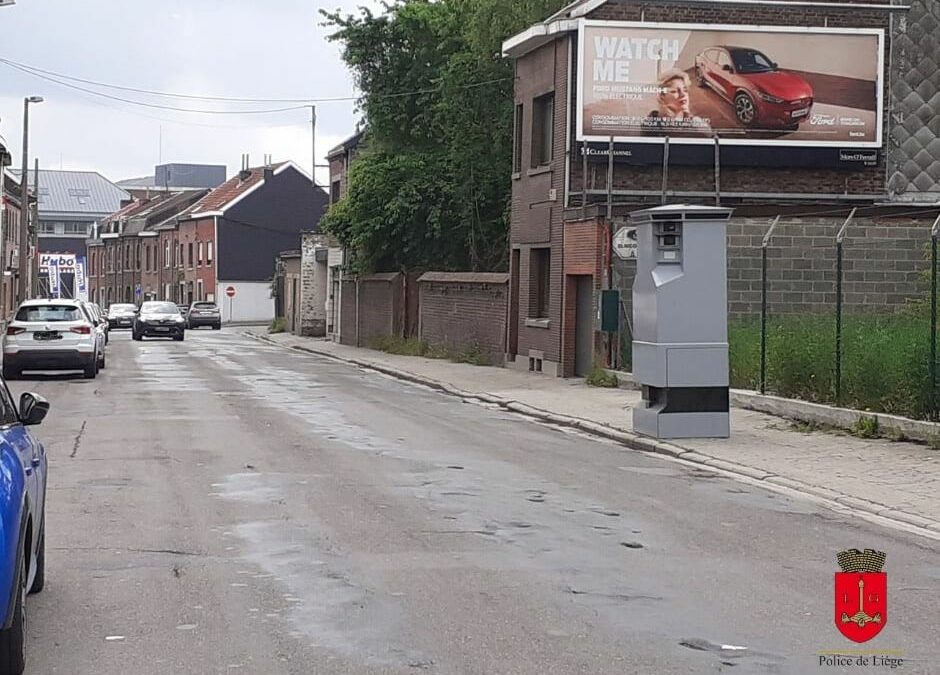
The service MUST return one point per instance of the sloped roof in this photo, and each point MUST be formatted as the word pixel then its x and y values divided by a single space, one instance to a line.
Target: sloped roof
pixel 76 192
pixel 232 190
pixel 159 210
pixel 348 144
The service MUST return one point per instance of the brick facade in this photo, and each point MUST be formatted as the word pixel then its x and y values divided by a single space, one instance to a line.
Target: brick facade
pixel 464 311
pixel 380 304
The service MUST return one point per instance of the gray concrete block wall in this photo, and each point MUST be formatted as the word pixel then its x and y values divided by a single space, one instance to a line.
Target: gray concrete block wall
pixel 884 262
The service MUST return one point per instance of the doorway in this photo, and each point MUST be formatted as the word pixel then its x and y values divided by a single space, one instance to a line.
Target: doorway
pixel 584 326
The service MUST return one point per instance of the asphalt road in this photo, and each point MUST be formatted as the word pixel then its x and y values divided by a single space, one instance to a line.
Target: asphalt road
pixel 224 506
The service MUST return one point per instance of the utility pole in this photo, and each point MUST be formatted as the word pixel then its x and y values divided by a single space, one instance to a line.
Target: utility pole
pixel 34 235
pixel 313 144
pixel 23 269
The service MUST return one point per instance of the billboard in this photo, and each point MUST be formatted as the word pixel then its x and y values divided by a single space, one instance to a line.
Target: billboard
pixel 750 85
pixel 64 262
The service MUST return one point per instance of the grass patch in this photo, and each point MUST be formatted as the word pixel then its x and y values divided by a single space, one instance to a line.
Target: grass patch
pixel 598 377
pixel 866 427
pixel 393 344
pixel 473 353
pixel 884 364
pixel 279 325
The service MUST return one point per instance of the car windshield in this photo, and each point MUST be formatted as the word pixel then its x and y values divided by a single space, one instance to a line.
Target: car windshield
pixel 751 61
pixel 121 308
pixel 159 308
pixel 48 313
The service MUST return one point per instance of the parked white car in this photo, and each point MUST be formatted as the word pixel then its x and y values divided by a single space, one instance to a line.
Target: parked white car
pixel 52 335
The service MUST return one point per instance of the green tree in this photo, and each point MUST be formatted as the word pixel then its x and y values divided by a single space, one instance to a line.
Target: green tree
pixel 433 188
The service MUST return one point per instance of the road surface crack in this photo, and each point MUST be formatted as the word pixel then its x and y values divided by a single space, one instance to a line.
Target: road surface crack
pixel 78 439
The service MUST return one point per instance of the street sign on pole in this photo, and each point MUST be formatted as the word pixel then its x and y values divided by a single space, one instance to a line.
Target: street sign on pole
pixel 625 243
pixel 230 291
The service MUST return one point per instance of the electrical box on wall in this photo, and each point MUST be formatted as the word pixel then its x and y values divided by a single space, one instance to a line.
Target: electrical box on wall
pixel 553 195
pixel 609 311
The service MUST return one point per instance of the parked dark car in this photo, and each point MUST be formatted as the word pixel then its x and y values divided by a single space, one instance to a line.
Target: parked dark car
pixel 204 314
pixel 159 319
pixel 762 94
pixel 121 315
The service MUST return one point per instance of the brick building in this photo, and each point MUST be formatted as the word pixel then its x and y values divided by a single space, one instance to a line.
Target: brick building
pixel 569 195
pixel 125 255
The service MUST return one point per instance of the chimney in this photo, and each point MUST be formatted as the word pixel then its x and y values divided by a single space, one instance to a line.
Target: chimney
pixel 245 173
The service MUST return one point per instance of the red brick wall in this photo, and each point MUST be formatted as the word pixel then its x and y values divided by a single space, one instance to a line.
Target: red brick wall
pixel 584 255
pixel 465 311
pixel 379 307
pixel 348 333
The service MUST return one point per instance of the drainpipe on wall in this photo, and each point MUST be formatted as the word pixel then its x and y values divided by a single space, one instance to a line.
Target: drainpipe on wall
pixel 358 341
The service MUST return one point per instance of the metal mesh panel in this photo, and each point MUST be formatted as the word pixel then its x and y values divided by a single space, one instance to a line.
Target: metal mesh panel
pixel 914 150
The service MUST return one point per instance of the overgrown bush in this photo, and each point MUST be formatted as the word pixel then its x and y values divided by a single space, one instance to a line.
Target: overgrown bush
pixel 279 325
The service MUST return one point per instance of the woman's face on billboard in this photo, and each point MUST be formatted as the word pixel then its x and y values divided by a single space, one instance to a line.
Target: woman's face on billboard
pixel 674 98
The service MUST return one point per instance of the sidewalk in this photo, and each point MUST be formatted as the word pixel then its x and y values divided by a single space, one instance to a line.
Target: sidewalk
pixel 894 483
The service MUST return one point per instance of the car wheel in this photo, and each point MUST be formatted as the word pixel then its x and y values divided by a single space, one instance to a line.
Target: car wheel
pixel 744 109
pixel 217 326
pixel 101 361
pixel 10 373
pixel 13 639
pixel 178 338
pixel 39 580
pixel 135 336
pixel 91 369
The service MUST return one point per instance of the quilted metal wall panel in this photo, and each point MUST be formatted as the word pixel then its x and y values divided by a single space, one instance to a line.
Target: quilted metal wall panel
pixel 914 155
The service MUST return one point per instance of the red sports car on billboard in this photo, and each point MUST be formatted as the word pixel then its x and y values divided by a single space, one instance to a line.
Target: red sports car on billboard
pixel 763 95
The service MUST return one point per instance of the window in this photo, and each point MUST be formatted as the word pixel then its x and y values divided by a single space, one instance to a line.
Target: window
pixel 543 120
pixel 46 228
pixel 190 254
pixel 166 253
pixel 209 253
pixel 517 141
pixel 335 188
pixel 147 256
pixel 540 273
pixel 199 255
pixel 76 228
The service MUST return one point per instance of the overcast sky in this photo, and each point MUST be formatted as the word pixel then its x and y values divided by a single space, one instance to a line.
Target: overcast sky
pixel 229 48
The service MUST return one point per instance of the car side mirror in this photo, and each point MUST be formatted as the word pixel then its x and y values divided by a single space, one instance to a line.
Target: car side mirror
pixel 774 66
pixel 33 408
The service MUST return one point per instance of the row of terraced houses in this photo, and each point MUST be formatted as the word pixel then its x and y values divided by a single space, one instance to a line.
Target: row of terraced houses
pixel 190 245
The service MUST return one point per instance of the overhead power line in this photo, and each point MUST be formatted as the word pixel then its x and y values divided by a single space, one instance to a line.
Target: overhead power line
pixel 61 79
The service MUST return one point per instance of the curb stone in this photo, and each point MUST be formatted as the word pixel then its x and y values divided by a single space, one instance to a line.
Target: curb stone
pixel 840 502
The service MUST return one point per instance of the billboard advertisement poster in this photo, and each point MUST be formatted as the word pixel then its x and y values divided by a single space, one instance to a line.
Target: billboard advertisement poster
pixel 749 85
pixel 54 289
pixel 81 287
pixel 65 262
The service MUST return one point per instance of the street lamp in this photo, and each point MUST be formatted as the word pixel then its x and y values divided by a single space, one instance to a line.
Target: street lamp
pixel 24 192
